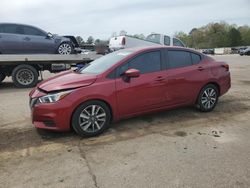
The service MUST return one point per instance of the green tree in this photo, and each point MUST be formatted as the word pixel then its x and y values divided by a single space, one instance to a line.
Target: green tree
pixel 97 41
pixel 80 40
pixel 245 35
pixel 184 38
pixel 234 37
pixel 90 40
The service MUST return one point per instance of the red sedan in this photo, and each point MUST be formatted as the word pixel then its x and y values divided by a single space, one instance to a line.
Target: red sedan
pixel 128 83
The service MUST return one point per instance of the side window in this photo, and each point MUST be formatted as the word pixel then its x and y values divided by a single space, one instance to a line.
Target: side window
pixel 1 29
pixel 19 30
pixel 195 58
pixel 32 31
pixel 177 42
pixel 122 69
pixel 167 40
pixel 146 63
pixel 12 29
pixel 178 58
pixel 156 38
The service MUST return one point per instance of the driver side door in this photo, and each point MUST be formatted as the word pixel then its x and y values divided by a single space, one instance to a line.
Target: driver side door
pixel 145 92
pixel 36 41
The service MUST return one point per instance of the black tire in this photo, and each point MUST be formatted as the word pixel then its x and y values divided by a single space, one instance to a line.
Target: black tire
pixel 207 98
pixel 65 48
pixel 2 76
pixel 25 76
pixel 80 114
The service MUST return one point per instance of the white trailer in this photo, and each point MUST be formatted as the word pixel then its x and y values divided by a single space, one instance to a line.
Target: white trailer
pixel 25 69
pixel 122 42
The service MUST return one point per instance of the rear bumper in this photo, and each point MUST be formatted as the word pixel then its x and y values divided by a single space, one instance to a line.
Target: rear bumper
pixel 225 84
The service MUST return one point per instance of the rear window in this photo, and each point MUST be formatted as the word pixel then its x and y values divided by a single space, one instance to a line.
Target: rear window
pixel 177 42
pixel 178 58
pixel 156 38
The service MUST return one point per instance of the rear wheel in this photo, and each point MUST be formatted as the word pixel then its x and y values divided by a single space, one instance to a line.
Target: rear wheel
pixel 91 118
pixel 208 98
pixel 25 76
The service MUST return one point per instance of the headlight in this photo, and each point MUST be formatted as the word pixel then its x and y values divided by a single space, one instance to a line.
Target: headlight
pixel 50 98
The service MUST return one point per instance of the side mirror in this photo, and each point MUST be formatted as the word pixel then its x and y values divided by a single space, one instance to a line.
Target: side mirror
pixel 132 73
pixel 49 35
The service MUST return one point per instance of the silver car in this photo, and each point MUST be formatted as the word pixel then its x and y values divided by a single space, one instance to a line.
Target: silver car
pixel 26 39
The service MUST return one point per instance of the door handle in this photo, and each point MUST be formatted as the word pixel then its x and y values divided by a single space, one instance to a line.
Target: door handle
pixel 159 79
pixel 26 38
pixel 200 68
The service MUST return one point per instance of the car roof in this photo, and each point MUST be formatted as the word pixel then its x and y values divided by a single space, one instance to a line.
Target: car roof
pixel 148 48
pixel 7 23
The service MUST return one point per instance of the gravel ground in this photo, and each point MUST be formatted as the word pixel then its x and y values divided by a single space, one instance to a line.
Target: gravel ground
pixel 177 148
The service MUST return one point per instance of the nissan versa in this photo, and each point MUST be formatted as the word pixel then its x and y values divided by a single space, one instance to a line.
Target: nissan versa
pixel 127 83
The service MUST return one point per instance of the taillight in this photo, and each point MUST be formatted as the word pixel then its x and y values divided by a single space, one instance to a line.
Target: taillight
pixel 123 41
pixel 226 66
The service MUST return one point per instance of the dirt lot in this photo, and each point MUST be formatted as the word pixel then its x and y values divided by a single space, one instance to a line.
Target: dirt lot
pixel 177 148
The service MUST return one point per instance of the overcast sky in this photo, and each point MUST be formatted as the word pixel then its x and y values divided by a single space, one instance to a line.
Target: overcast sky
pixel 100 18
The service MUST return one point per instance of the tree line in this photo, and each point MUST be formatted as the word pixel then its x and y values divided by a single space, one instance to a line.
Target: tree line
pixel 214 35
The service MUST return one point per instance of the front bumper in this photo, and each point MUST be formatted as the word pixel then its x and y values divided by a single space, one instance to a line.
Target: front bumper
pixel 53 116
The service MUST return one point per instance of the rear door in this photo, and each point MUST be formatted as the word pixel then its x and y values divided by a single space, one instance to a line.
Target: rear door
pixel 11 39
pixel 36 41
pixel 184 76
pixel 145 92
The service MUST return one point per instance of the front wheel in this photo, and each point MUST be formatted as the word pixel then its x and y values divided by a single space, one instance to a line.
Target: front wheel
pixel 208 98
pixel 91 118
pixel 65 48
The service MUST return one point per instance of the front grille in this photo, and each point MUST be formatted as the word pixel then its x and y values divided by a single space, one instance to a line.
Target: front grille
pixel 49 123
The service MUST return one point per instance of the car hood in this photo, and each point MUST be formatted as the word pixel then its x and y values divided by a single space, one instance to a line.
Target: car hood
pixel 67 80
pixel 59 39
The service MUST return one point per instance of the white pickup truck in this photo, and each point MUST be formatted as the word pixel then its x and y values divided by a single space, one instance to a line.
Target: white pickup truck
pixel 122 42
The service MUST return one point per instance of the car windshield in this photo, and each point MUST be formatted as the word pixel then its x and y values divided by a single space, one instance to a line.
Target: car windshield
pixel 104 63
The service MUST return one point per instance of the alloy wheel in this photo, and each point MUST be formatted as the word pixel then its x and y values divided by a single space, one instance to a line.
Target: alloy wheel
pixel 92 118
pixel 209 98
pixel 65 49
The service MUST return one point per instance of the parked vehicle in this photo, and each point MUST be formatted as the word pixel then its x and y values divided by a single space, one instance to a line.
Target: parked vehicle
pixel 241 49
pixel 26 39
pixel 122 42
pixel 128 83
pixel 26 68
pixel 245 51
pixel 208 51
